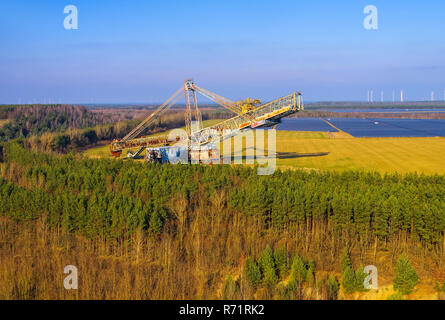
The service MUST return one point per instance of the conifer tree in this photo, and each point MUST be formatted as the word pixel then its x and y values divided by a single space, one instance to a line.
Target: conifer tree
pixel 280 257
pixel 406 277
pixel 298 275
pixel 349 280
pixel 252 272
pixel 298 271
pixel 267 264
pixel 360 277
pixel 345 260
pixel 155 222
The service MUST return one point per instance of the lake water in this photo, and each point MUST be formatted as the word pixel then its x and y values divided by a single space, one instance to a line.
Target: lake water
pixel 379 110
pixel 369 127
pixel 304 124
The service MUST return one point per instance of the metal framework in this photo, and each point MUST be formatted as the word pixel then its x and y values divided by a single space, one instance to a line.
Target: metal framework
pixel 265 115
pixel 191 106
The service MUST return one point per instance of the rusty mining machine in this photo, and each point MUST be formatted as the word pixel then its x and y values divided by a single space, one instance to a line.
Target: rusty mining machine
pixel 249 114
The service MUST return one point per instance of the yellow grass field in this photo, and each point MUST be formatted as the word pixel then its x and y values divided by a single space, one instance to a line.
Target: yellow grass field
pixel 328 151
pixel 424 155
pixel 102 151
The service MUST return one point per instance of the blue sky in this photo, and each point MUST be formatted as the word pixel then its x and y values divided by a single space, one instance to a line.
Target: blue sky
pixel 141 51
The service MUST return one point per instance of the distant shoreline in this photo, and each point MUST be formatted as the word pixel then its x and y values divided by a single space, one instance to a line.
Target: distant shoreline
pixel 367 115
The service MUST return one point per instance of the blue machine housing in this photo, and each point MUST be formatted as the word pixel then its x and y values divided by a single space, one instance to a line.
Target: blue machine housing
pixel 175 154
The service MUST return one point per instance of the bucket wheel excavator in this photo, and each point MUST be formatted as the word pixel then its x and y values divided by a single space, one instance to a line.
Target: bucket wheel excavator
pixel 248 114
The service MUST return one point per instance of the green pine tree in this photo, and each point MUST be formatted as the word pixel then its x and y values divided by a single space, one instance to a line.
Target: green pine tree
pixel 349 280
pixel 155 222
pixel 345 260
pixel 252 272
pixel 360 277
pixel 280 257
pixel 267 265
pixel 406 277
pixel 298 274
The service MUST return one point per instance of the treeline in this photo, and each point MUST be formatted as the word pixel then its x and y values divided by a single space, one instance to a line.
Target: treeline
pixel 74 139
pixel 356 205
pixel 70 140
pixel 36 119
pixel 63 128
